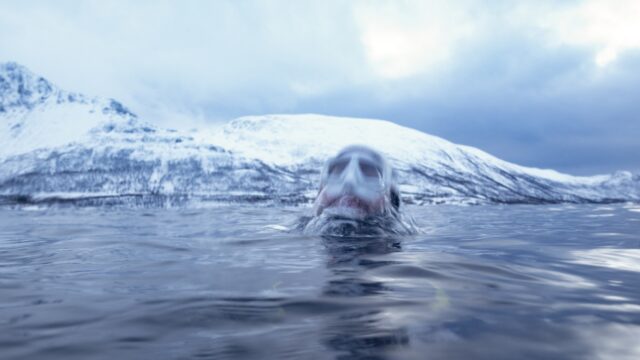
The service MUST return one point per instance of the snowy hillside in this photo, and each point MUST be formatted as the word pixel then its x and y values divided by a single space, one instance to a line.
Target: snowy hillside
pixel 60 146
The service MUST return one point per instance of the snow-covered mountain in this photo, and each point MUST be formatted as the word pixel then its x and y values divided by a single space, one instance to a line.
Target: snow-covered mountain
pixel 65 147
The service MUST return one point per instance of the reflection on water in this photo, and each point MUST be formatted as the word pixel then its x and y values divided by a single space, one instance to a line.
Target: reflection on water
pixel 615 258
pixel 361 333
pixel 490 282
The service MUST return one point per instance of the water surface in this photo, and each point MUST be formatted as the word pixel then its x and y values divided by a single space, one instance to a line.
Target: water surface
pixel 484 282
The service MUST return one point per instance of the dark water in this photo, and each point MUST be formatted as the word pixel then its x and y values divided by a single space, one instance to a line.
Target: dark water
pixel 488 282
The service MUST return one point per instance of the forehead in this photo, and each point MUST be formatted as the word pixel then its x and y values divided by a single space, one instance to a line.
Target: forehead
pixel 359 152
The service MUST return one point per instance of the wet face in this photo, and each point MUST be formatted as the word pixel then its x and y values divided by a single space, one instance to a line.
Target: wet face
pixel 355 184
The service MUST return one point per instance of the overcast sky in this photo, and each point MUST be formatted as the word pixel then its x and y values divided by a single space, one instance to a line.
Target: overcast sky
pixel 553 84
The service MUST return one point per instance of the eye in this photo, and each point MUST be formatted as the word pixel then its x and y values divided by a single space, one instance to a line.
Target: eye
pixel 369 169
pixel 337 167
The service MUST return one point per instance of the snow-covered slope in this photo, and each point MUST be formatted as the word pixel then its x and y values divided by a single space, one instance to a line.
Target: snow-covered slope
pixel 36 114
pixel 63 146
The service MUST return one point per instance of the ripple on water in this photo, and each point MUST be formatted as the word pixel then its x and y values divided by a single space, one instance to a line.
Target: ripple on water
pixel 480 282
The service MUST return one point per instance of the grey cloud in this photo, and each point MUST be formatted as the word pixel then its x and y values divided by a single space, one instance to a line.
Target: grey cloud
pixel 506 90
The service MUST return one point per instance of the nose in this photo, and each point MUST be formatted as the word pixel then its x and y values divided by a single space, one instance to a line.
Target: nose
pixel 351 175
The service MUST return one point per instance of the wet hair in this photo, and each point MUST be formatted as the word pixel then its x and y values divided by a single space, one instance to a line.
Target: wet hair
pixel 395 197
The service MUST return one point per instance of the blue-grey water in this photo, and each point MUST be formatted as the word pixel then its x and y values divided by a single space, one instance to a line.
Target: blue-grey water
pixel 484 282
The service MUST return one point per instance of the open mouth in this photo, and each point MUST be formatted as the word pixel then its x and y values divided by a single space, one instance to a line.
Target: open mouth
pixel 349 201
pixel 348 206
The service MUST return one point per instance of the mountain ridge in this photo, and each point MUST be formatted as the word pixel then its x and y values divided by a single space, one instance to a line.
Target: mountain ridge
pixel 67 147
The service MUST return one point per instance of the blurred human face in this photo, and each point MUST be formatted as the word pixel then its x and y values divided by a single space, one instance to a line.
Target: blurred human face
pixel 354 185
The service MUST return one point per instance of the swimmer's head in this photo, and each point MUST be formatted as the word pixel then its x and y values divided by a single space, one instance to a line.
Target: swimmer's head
pixel 357 183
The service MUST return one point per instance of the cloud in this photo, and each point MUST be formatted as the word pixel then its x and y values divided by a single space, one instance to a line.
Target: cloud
pixel 607 27
pixel 402 39
pixel 525 81
pixel 248 56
